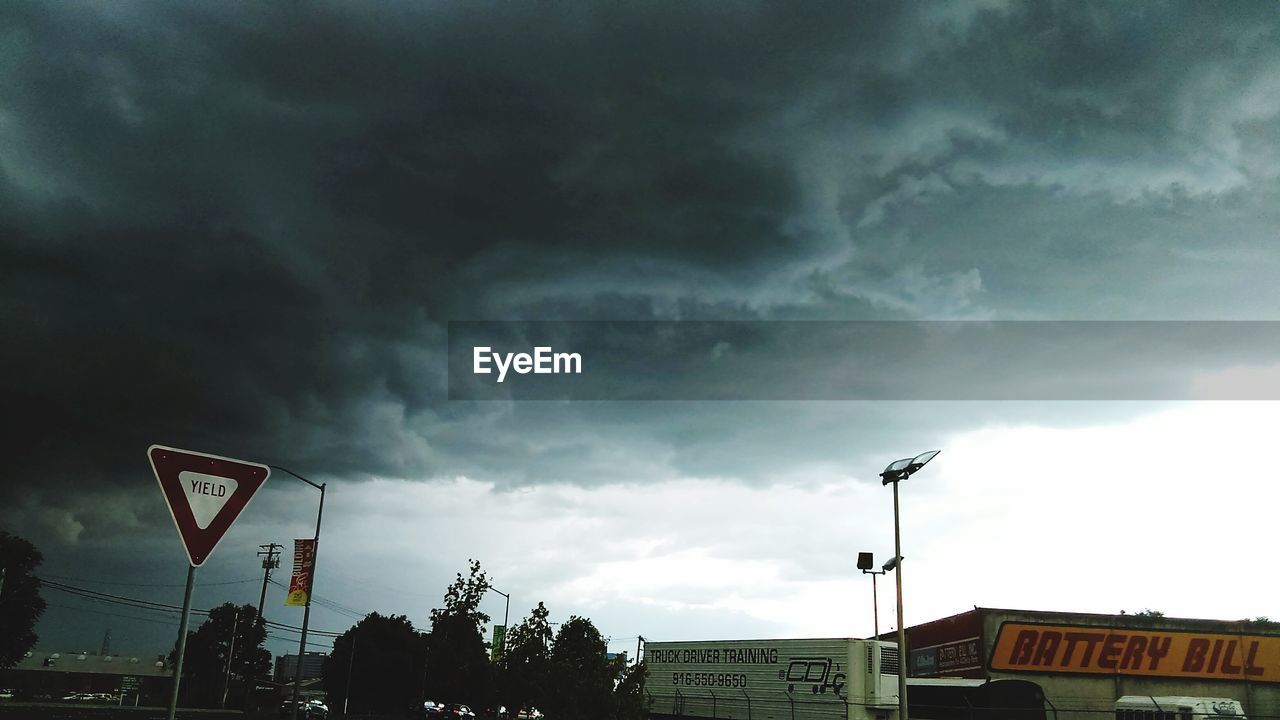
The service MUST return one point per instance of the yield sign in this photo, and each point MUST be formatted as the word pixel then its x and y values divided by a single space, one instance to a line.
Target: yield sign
pixel 205 494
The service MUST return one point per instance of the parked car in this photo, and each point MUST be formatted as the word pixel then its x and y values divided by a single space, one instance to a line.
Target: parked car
pixel 529 713
pixel 307 710
pixel 432 710
pixel 7 693
pixel 458 712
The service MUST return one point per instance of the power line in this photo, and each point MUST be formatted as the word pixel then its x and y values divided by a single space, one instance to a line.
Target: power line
pixel 328 604
pixel 117 599
pixel 153 621
pixel 152 606
pixel 147 585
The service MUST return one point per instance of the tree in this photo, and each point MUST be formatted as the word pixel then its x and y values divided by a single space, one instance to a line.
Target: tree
pixel 629 696
pixel 204 665
pixel 20 601
pixel 462 598
pixel 582 677
pixel 458 668
pixel 384 657
pixel 527 664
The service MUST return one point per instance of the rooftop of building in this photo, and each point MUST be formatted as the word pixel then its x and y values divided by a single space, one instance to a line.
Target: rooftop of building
pixel 123 663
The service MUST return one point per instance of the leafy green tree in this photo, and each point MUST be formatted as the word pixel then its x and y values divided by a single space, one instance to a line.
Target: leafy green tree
pixel 629 697
pixel 582 677
pixel 526 670
pixel 383 657
pixel 463 597
pixel 204 665
pixel 458 667
pixel 20 601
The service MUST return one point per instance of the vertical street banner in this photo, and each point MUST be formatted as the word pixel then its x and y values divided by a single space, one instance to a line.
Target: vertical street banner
pixel 499 640
pixel 304 561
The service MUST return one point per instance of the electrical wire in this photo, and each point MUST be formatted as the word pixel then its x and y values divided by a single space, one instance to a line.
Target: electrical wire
pixel 152 606
pixel 153 621
pixel 327 604
pixel 148 585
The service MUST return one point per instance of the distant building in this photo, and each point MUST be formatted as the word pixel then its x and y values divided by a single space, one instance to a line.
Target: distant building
pixel 287 667
pixel 132 678
pixel 1086 662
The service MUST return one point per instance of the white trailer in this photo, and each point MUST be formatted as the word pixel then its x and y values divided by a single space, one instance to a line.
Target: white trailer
pixel 831 679
pixel 1178 707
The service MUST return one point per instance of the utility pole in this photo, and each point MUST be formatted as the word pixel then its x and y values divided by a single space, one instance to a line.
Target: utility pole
pixel 226 683
pixel 346 697
pixel 270 560
pixel 639 639
pixel 270 554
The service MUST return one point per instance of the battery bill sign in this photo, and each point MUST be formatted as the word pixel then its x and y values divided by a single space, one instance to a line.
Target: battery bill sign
pixel 1030 647
pixel 304 562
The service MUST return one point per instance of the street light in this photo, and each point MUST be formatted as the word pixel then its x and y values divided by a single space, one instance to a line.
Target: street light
pixel 898 471
pixel 865 562
pixel 502 649
pixel 306 612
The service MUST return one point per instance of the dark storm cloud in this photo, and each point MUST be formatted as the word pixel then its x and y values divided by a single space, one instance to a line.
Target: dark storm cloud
pixel 240 228
pixel 231 227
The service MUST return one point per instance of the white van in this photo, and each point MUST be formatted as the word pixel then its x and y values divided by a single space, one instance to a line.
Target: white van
pixel 1178 707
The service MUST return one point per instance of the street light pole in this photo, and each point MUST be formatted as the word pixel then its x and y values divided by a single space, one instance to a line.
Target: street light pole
pixel 865 562
pixel 875 605
pixel 898 471
pixel 902 633
pixel 306 611
pixel 502 649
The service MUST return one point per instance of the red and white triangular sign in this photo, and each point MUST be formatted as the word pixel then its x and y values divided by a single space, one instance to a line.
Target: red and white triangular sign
pixel 205 494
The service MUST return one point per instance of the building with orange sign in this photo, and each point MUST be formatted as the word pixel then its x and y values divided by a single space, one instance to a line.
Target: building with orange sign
pixel 1085 662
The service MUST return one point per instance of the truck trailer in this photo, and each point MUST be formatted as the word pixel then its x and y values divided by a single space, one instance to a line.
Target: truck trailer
pixel 821 679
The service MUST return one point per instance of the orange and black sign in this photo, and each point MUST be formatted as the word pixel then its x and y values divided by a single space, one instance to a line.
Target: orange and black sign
pixel 1024 647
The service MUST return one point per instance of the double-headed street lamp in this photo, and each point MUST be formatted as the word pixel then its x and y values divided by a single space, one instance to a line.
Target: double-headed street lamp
pixel 306 612
pixel 898 471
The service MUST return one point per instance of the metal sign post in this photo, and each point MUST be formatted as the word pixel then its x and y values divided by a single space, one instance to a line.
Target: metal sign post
pixel 182 641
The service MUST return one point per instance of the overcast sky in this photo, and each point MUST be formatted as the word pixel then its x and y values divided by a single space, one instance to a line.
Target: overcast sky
pixel 243 228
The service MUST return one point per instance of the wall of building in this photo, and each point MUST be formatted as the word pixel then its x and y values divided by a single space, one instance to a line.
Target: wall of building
pixel 312 666
pixel 51 675
pixel 952 647
pixel 1084 662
